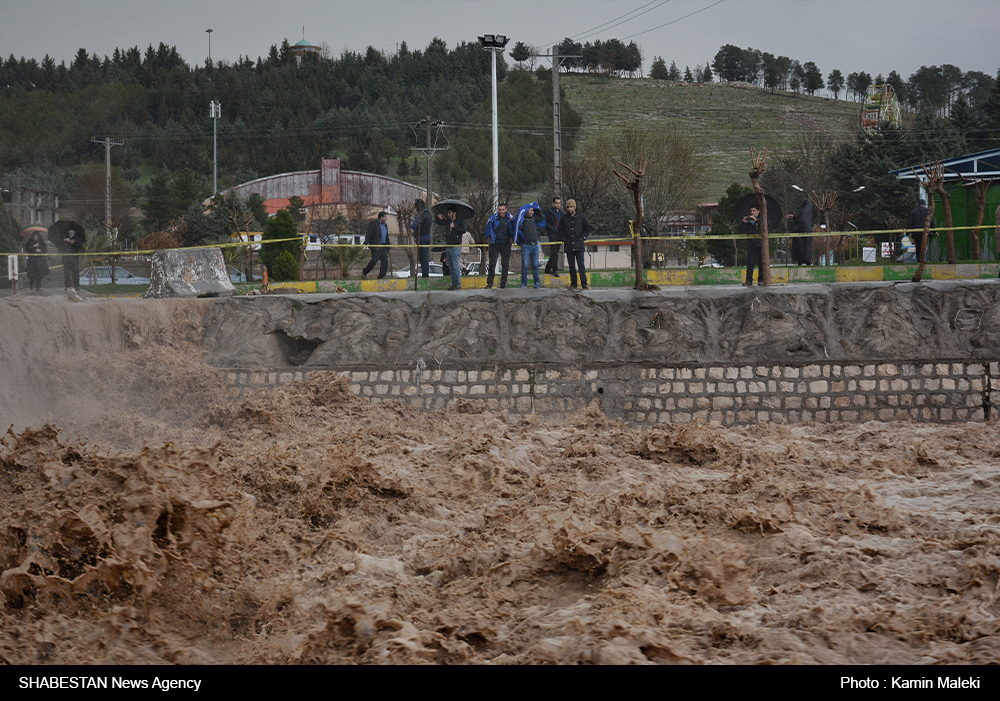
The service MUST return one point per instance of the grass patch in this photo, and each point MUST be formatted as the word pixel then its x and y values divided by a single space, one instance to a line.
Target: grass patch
pixel 723 120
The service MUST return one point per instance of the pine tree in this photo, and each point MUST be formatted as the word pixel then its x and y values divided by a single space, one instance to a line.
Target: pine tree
pixel 658 71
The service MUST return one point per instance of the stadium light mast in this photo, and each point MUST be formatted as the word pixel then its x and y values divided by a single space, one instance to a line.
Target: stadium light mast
pixel 495 43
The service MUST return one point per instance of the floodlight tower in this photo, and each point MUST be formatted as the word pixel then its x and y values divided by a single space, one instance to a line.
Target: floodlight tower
pixel 495 43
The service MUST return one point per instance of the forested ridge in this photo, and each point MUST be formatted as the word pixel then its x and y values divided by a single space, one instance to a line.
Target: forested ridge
pixel 277 115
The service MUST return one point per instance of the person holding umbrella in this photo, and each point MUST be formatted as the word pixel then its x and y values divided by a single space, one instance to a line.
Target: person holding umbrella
pixel 37 267
pixel 450 218
pixel 453 238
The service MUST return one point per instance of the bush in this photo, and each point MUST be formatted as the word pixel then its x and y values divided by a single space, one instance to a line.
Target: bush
pixel 159 241
pixel 285 267
pixel 280 226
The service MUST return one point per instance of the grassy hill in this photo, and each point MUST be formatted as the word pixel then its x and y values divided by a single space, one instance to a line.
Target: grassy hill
pixel 723 120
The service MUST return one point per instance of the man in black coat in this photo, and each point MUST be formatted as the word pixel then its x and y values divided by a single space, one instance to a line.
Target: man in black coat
pixel 573 230
pixel 72 247
pixel 750 226
pixel 422 231
pixel 552 219
pixel 918 217
pixel 378 239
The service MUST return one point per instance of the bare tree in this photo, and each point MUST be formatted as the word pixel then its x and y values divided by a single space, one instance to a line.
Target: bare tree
pixel 948 221
pixel 932 177
pixel 981 185
pixel 634 185
pixel 757 168
pixel 673 176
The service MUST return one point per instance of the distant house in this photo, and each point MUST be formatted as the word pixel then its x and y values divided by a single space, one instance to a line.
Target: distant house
pixel 303 48
pixel 28 205
pixel 983 165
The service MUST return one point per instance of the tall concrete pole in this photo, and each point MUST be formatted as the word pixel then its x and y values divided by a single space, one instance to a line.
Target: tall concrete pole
pixel 430 153
pixel 496 137
pixel 108 143
pixel 216 113
pixel 556 125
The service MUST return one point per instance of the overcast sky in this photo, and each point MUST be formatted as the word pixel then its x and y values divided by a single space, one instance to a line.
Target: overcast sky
pixel 853 35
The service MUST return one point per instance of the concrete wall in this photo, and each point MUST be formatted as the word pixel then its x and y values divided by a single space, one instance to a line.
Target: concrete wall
pixel 937 392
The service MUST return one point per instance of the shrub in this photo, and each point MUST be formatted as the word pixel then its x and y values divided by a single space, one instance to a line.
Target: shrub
pixel 285 267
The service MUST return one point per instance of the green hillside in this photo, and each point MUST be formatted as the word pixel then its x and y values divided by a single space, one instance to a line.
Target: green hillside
pixel 723 120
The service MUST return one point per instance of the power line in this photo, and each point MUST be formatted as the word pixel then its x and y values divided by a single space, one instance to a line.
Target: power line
pixel 615 23
pixel 666 24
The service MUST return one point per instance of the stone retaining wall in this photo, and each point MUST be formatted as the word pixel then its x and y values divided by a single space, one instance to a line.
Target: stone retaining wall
pixel 725 394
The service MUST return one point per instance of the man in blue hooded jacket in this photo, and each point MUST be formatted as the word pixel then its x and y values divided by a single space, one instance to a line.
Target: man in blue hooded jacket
pixel 528 219
pixel 499 235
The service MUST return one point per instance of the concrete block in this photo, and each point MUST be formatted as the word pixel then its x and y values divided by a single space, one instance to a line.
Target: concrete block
pixel 189 272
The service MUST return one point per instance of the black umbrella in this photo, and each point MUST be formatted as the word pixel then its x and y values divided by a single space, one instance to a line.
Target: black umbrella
pixel 60 230
pixel 773 211
pixel 464 210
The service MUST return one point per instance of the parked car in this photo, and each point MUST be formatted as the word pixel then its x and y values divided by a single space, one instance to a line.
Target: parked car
pixel 236 275
pixel 473 268
pixel 435 271
pixel 101 275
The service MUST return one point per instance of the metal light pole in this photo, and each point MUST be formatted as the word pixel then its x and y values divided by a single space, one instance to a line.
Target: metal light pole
pixel 209 31
pixel 216 112
pixel 495 43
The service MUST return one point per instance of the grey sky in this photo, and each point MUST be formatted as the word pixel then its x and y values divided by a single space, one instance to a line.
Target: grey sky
pixel 853 35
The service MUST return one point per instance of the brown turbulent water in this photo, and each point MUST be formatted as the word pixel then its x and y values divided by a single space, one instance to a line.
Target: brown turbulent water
pixel 143 519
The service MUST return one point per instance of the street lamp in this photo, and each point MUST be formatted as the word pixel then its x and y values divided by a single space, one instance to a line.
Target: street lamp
pixel 209 32
pixel 495 43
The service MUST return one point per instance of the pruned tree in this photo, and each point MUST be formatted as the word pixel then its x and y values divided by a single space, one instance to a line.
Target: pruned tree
pixel 673 176
pixel 757 161
pixel 823 201
pixel 634 186
pixel 930 181
pixel 981 185
pixel 946 201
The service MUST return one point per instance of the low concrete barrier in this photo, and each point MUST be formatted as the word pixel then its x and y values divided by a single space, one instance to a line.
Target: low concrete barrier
pixel 189 272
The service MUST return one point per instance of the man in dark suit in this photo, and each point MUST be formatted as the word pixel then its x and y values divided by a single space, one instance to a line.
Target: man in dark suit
pixel 378 239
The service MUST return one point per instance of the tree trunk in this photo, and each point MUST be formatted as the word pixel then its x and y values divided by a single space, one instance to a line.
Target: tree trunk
pixel 949 232
pixel 640 283
pixel 923 252
pixel 980 213
pixel 765 253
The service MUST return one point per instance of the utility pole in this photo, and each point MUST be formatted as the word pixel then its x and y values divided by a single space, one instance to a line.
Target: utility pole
pixel 556 125
pixel 108 144
pixel 556 119
pixel 428 152
pixel 215 111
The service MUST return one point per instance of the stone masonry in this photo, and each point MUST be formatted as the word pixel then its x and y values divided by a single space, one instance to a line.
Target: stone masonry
pixel 715 393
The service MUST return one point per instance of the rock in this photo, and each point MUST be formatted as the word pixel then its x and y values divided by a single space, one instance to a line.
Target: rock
pixel 195 272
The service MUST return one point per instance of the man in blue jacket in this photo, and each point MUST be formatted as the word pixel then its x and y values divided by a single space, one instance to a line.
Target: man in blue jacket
pixel 499 235
pixel 528 219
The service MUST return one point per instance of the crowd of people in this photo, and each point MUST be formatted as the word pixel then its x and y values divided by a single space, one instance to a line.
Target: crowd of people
pixel 503 231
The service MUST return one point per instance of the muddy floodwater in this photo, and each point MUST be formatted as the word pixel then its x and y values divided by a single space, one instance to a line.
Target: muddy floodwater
pixel 146 518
